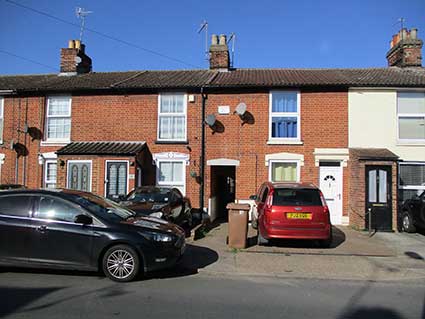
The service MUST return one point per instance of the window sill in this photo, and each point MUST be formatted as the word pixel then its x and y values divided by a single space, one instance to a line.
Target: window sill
pixel 172 142
pixel 285 142
pixel 54 143
pixel 410 143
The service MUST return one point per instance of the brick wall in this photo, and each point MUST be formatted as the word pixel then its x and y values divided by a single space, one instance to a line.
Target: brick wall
pixel 357 190
pixel 134 117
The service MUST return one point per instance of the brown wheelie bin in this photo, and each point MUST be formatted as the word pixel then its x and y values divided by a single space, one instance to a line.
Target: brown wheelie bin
pixel 238 225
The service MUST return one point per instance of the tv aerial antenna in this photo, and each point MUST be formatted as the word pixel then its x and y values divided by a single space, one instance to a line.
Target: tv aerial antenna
pixel 233 39
pixel 204 27
pixel 82 14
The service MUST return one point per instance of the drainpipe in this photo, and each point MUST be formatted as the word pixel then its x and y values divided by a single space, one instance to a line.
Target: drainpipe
pixel 202 161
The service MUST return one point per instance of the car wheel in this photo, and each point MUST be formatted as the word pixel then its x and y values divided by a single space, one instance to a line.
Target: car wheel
pixel 326 243
pixel 407 223
pixel 121 263
pixel 261 240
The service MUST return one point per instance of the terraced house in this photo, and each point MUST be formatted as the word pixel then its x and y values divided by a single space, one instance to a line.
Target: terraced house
pixel 217 134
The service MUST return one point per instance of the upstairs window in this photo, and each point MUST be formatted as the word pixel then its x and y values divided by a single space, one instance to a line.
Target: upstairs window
pixel 58 121
pixel 411 117
pixel 172 117
pixel 284 121
pixel 1 119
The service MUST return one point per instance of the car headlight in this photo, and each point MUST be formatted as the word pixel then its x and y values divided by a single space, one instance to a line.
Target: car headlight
pixel 156 214
pixel 159 237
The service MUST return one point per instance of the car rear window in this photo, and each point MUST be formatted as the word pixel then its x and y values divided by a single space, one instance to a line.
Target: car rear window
pixel 297 197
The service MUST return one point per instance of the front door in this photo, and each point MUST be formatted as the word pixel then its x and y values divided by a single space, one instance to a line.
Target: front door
pixel 331 187
pixel 223 179
pixel 79 175
pixel 378 197
pixel 116 179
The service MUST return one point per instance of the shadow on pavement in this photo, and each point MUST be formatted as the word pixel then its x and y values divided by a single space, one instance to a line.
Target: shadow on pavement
pixel 338 238
pixel 372 312
pixel 194 258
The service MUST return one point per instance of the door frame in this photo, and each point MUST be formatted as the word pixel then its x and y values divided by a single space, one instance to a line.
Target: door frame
pixel 388 169
pixel 69 162
pixel 106 174
pixel 341 184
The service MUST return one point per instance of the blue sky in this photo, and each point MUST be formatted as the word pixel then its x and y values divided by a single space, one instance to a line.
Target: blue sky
pixel 270 33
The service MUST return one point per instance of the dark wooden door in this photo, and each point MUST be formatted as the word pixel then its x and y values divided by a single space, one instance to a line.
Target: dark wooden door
pixel 379 197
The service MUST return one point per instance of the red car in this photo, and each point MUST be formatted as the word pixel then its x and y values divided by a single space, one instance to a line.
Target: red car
pixel 292 210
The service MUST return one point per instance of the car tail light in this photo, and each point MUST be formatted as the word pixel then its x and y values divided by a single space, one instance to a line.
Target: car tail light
pixel 322 198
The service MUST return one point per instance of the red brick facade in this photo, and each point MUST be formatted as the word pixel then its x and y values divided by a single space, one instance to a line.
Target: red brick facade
pixel 134 117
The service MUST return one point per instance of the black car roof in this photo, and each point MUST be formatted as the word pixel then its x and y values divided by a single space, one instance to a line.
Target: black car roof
pixel 65 193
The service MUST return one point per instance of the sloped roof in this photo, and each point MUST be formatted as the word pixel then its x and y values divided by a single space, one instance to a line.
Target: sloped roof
pixel 238 78
pixel 374 154
pixel 102 148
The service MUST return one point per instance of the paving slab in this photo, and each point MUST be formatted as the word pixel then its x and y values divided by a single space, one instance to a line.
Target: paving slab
pixel 353 256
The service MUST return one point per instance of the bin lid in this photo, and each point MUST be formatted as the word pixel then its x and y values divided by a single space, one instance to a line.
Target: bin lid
pixel 238 206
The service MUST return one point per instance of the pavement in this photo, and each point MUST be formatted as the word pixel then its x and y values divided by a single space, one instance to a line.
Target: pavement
pixel 353 256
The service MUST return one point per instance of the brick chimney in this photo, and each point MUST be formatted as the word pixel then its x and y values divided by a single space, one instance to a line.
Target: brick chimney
pixel 74 58
pixel 219 53
pixel 405 49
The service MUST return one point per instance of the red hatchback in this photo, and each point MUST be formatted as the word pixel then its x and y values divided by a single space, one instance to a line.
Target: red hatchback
pixel 292 210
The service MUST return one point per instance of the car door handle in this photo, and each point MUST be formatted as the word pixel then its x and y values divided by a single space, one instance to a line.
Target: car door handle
pixel 42 228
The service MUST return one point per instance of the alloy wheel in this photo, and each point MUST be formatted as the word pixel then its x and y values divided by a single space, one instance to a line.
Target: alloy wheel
pixel 120 264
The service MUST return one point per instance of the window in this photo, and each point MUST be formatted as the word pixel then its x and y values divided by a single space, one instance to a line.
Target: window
pixel 172 117
pixel 79 175
pixel 50 170
pixel 1 119
pixel 56 209
pixel 298 197
pixel 284 171
pixel 411 116
pixel 58 121
pixel 411 179
pixel 284 121
pixel 171 174
pixel 15 205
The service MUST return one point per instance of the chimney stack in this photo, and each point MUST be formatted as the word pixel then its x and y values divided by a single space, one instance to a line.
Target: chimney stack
pixel 74 59
pixel 405 49
pixel 219 53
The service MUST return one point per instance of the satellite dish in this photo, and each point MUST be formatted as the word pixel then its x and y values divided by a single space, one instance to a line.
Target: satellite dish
pixel 77 60
pixel 241 109
pixel 210 120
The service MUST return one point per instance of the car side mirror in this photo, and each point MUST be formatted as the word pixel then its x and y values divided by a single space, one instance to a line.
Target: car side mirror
pixel 83 219
pixel 253 197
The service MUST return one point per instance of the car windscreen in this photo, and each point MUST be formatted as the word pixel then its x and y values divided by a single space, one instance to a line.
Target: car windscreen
pixel 154 196
pixel 103 207
pixel 296 197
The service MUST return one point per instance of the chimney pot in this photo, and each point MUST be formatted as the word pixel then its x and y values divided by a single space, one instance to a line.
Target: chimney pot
pixel 222 39
pixel 77 44
pixel 414 34
pixel 214 39
pixel 71 44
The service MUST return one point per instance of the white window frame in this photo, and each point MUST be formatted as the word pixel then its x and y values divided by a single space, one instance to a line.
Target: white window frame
pixel 58 140
pixel 181 184
pixel 411 187
pixel 1 119
pixel 408 115
pixel 2 157
pixel 79 161
pixel 298 163
pixel 184 139
pixel 285 140
pixel 46 181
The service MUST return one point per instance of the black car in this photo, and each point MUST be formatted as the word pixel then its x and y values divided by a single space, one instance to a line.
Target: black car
pixel 413 213
pixel 163 202
pixel 70 229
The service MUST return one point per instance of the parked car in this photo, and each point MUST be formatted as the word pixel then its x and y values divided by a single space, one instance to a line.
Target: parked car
pixel 413 213
pixel 292 210
pixel 81 231
pixel 162 202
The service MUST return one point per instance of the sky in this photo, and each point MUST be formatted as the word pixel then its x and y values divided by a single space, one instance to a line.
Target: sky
pixel 162 35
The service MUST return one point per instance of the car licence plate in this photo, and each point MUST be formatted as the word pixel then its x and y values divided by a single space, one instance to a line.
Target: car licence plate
pixel 298 215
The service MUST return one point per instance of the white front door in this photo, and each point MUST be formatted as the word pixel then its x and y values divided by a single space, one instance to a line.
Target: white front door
pixel 331 187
